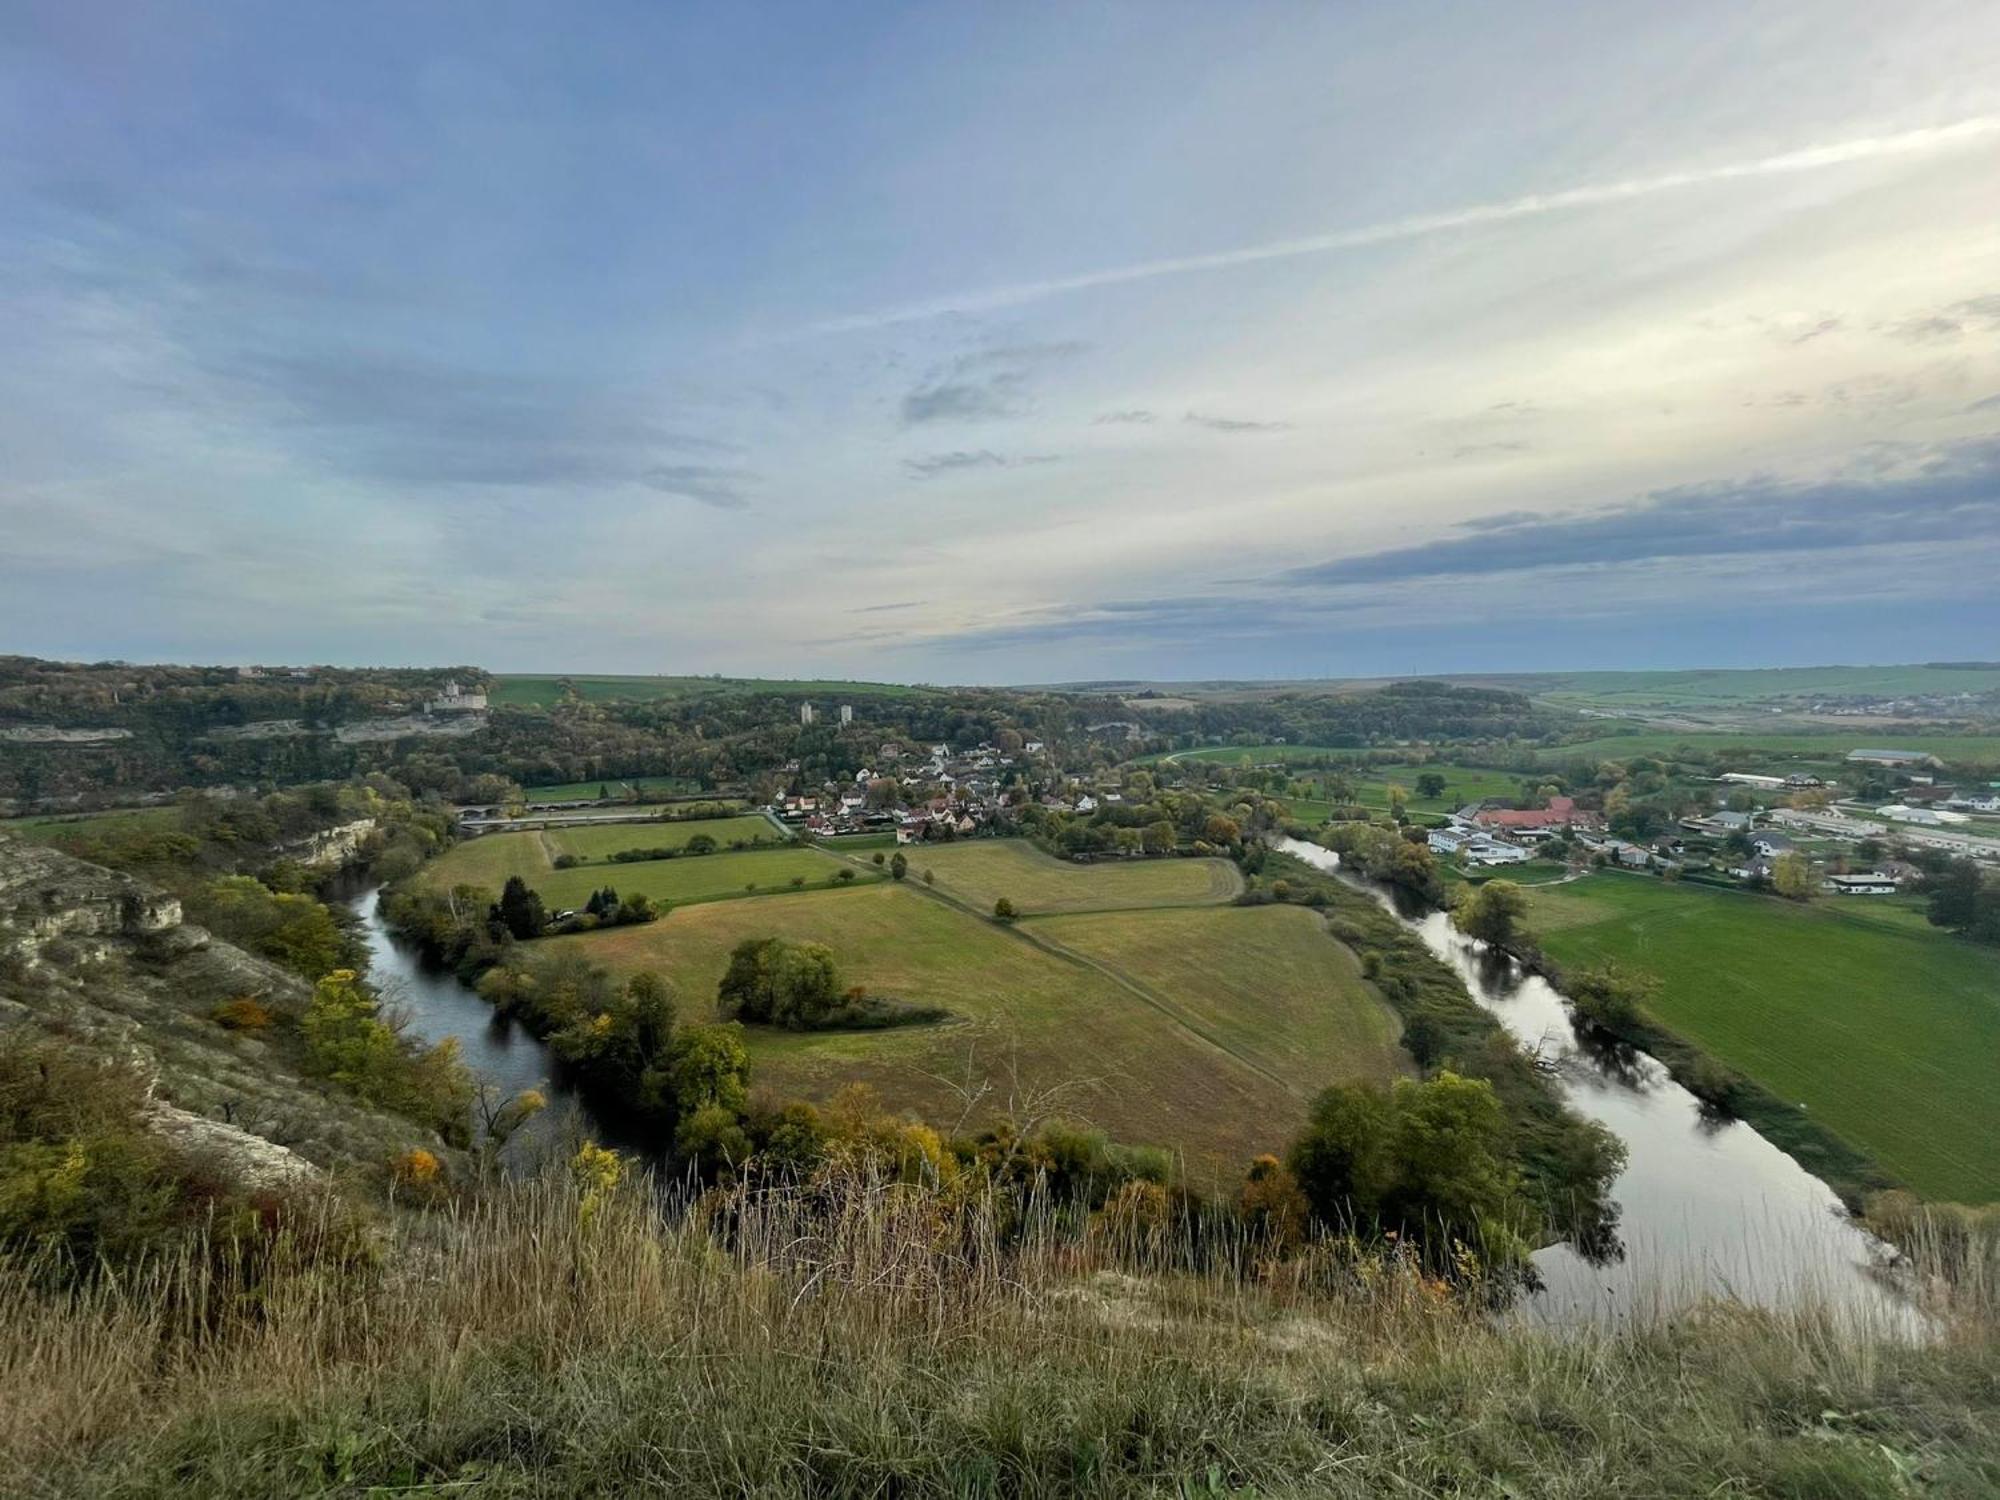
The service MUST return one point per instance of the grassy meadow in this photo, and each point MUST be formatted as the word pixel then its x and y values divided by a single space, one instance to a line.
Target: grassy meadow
pixel 1886 1029
pixel 981 871
pixel 1206 1028
pixel 50 827
pixel 1782 745
pixel 490 859
pixel 601 842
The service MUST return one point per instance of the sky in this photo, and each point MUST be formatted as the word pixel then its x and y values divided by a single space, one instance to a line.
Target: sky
pixel 963 342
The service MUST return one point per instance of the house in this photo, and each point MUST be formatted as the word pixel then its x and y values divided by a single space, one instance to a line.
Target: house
pixel 1632 856
pixel 1086 804
pixel 1770 845
pixel 1034 747
pixel 1922 817
pixel 1755 869
pixel 1803 779
pixel 1859 885
pixel 1745 778
pixel 853 800
pixel 1560 813
pixel 1450 840
pixel 1485 851
pixel 1899 870
pixel 1975 799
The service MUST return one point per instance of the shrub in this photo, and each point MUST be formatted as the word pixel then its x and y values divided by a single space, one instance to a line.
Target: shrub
pixel 1004 910
pixel 244 1013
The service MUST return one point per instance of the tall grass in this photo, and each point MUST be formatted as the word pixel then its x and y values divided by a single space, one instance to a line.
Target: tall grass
pixel 860 1336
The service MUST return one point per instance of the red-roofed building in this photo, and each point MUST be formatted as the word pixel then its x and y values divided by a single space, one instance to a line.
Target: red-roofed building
pixel 1560 813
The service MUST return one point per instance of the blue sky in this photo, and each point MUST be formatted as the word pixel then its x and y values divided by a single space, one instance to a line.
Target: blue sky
pixel 1000 343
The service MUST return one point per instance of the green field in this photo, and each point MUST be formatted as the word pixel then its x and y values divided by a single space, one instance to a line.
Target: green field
pixel 600 842
pixel 586 791
pixel 981 871
pixel 489 860
pixel 1727 688
pixel 1204 1029
pixel 1982 749
pixel 529 691
pixel 49 828
pixel 1886 1029
pixel 1256 755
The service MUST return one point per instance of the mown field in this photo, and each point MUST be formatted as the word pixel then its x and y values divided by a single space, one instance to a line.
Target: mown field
pixel 1886 1029
pixel 1207 1030
pixel 601 842
pixel 1733 687
pixel 1983 749
pixel 489 860
pixel 981 871
pixel 53 826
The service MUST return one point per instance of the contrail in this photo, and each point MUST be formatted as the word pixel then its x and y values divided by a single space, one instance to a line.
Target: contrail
pixel 1811 159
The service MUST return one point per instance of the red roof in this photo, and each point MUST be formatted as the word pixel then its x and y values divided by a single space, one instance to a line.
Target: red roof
pixel 1560 812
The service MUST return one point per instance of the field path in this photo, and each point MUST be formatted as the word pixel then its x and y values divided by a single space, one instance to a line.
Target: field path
pixel 1144 992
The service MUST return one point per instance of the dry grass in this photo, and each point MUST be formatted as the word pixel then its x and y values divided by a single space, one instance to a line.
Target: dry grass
pixel 872 1339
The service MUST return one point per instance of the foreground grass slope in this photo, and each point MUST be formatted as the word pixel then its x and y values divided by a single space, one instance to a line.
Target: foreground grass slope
pixel 1885 1029
pixel 878 1342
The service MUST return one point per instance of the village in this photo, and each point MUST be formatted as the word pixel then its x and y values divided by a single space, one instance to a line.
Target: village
pixel 1845 846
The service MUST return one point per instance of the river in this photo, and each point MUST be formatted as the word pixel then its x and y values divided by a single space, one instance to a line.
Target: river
pixel 1708 1208
pixel 437 1005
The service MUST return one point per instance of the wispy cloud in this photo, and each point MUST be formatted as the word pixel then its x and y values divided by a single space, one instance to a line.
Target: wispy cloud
pixel 719 489
pixel 1906 143
pixel 983 383
pixel 1233 424
pixel 1923 495
pixel 1122 418
pixel 1975 315
pixel 983 458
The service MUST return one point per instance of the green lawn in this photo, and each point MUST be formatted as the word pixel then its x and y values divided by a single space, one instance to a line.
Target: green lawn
pixel 54 826
pixel 1205 1030
pixel 1887 1029
pixel 489 860
pixel 601 842
pixel 981 871
pixel 708 877
pixel 1818 749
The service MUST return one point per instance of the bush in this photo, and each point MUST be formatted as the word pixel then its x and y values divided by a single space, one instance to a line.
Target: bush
pixel 244 1013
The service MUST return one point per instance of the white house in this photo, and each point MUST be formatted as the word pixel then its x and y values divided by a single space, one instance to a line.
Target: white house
pixel 1860 885
pixel 1450 840
pixel 1484 851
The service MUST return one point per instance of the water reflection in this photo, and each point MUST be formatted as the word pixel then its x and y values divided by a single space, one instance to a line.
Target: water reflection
pixel 1708 1206
pixel 436 1005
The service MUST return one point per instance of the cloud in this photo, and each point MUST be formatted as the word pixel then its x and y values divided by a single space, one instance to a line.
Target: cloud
pixel 878 609
pixel 999 395
pixel 1122 418
pixel 1234 424
pixel 983 458
pixel 411 421
pixel 1974 130
pixel 1488 450
pixel 983 383
pixel 720 489
pixel 1938 494
pixel 1985 403
pixel 1975 315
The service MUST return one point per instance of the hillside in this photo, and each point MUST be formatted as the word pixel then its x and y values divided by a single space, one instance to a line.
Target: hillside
pixel 98 958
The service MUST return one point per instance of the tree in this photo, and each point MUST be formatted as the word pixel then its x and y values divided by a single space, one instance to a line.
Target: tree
pixel 1432 1161
pixel 1791 876
pixel 1608 997
pixel 1003 910
pixel 700 843
pixel 1430 785
pixel 521 909
pixel 1158 837
pixel 346 1038
pixel 708 1066
pixel 898 866
pixel 1492 912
